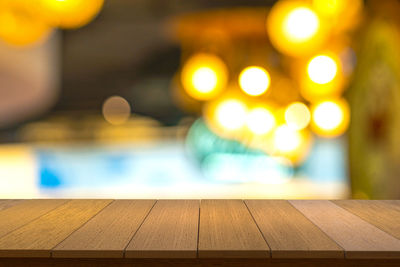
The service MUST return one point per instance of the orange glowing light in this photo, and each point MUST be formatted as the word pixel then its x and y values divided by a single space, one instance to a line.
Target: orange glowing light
pixel 20 25
pixel 322 78
pixel 69 14
pixel 330 118
pixel 204 76
pixel 254 80
pixel 260 120
pixel 294 28
pixel 231 114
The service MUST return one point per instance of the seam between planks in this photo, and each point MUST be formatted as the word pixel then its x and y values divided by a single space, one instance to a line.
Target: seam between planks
pixel 198 231
pixel 1 236
pixel 144 219
pixel 270 250
pixel 51 250
pixel 364 220
pixel 344 251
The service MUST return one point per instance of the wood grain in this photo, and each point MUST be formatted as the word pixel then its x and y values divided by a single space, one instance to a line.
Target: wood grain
pixel 37 238
pixel 228 230
pixel 223 262
pixel 169 231
pixel 289 234
pixel 14 217
pixel 358 238
pixel 108 233
pixel 8 203
pixel 382 214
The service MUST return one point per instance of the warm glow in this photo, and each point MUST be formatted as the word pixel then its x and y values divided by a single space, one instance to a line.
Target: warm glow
pixel 330 118
pixel 19 25
pixel 294 28
pixel 260 121
pixel 254 80
pixel 204 76
pixel 286 139
pixel 231 114
pixel 329 7
pixel 322 77
pixel 300 24
pixel 322 69
pixel 204 79
pixel 116 110
pixel 69 13
pixel 343 14
pixel 297 116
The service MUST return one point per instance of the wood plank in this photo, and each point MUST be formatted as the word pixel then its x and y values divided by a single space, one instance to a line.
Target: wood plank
pixel 379 213
pixel 227 230
pixel 108 233
pixel 169 231
pixel 8 203
pixel 289 234
pixel 224 262
pixel 37 238
pixel 25 212
pixel 358 238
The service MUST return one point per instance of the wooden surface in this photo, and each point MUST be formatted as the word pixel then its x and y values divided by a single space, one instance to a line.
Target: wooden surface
pixel 358 238
pixel 289 233
pixel 169 231
pixel 383 214
pixel 37 238
pixel 200 232
pixel 26 211
pixel 7 203
pixel 228 230
pixel 108 233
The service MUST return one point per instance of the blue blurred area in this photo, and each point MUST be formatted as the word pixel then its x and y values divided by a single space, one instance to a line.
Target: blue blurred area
pixel 327 161
pixel 117 166
pixel 205 158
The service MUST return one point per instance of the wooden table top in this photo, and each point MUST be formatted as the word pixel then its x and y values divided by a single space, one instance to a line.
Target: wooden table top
pixel 281 229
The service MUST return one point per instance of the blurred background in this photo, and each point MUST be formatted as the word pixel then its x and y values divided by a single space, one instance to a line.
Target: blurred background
pixel 200 99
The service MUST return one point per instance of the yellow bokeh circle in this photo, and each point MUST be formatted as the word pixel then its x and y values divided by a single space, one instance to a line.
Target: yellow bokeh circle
pixel 330 118
pixel 294 28
pixel 254 80
pixel 322 77
pixel 260 120
pixel 204 76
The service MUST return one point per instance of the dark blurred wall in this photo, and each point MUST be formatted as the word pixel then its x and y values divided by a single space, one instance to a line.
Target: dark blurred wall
pixel 126 51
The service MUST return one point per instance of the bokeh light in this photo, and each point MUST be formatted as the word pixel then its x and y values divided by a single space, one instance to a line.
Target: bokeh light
pixel 69 13
pixel 231 114
pixel 254 80
pixel 286 139
pixel 300 24
pixel 330 118
pixel 322 77
pixel 297 116
pixel 291 144
pixel 204 76
pixel 322 69
pixel 260 120
pixel 116 110
pixel 294 28
pixel 19 25
pixel 205 79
